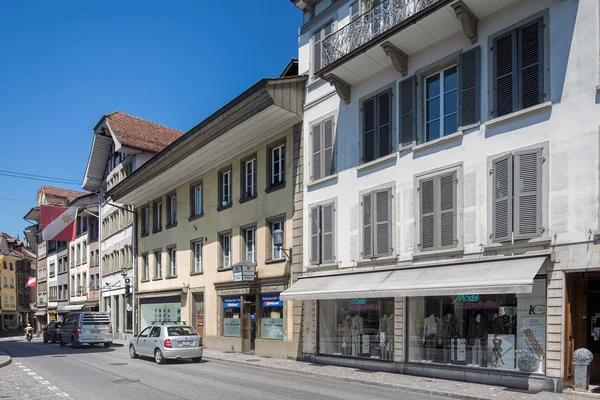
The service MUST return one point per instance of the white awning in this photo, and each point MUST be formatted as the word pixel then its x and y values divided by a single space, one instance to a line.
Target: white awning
pixel 491 277
pixel 73 307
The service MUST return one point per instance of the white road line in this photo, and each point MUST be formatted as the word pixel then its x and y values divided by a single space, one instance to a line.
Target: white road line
pixel 32 373
pixel 45 382
pixel 52 388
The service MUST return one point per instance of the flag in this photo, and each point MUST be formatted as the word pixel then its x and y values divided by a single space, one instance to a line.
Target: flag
pixel 1 258
pixel 31 282
pixel 58 223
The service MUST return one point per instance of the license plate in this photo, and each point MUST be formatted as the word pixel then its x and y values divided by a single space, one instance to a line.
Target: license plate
pixel 95 330
pixel 186 343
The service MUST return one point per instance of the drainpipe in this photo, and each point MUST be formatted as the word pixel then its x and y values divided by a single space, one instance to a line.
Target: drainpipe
pixel 134 285
pixel 100 251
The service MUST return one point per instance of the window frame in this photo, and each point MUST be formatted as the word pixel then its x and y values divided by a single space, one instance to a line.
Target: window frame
pixel 145 268
pixel 441 72
pixel 225 238
pixel 157 215
pixel 244 194
pixel 244 234
pixel 321 124
pixel 280 144
pixel 392 89
pixel 318 207
pixel 277 219
pixel 193 244
pixel 321 31
pixel 171 210
pixel 172 260
pixel 158 272
pixel 193 200
pixel 225 172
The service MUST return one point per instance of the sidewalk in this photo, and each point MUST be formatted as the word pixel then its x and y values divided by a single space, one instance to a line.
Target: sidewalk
pixel 439 387
pixel 4 359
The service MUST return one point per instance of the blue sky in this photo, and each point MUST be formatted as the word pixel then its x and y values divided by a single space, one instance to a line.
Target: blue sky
pixel 63 64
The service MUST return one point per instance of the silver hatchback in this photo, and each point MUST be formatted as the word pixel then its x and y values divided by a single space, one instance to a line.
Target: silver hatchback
pixel 167 342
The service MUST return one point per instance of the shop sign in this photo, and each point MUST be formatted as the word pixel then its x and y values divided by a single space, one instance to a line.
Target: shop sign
pixel 231 292
pixel 473 302
pixel 272 289
pixel 244 273
pixel 231 302
pixel 272 300
pixel 358 304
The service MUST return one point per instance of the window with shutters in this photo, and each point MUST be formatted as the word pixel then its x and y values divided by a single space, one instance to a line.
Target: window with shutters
pixel 376 221
pixel 441 103
pixel 355 10
pixel 323 149
pixel 439 199
pixel 518 69
pixel 317 46
pixel 517 196
pixel 377 130
pixel 322 234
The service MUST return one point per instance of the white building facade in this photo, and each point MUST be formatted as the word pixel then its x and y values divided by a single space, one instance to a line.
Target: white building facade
pixel 451 198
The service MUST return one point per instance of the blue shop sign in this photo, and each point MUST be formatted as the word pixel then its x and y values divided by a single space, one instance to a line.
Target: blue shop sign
pixel 271 300
pixel 231 302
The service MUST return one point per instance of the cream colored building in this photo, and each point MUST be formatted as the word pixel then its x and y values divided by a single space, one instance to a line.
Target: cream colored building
pixel 209 203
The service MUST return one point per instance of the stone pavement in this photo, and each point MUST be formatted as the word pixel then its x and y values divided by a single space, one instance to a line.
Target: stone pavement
pixel 4 360
pixel 18 381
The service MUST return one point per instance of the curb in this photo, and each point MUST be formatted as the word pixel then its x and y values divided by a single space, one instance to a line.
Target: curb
pixel 5 362
pixel 412 389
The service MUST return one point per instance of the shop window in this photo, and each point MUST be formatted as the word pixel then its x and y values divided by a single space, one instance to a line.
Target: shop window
pixel 271 322
pixel 502 331
pixel 357 327
pixel 231 320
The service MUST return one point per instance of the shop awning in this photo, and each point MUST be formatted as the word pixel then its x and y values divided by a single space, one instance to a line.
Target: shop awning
pixel 149 295
pixel 489 277
pixel 73 307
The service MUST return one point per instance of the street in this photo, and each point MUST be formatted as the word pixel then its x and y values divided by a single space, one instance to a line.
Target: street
pixel 47 371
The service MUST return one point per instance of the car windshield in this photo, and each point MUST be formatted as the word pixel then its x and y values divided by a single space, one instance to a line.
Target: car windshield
pixel 181 331
pixel 58 324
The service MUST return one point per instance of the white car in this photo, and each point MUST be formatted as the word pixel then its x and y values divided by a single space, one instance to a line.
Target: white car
pixel 167 342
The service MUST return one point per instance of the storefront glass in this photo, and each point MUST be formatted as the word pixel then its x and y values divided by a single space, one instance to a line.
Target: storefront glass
pixel 357 327
pixel 232 322
pixel 160 312
pixel 504 331
pixel 271 322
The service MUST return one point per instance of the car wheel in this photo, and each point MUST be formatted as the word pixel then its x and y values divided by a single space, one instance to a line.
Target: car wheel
pixel 197 359
pixel 132 352
pixel 74 343
pixel 107 344
pixel 46 339
pixel 60 341
pixel 52 339
pixel 158 357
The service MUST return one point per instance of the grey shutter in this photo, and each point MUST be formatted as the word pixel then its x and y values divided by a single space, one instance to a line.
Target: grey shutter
pixel 315 230
pixel 328 140
pixel 317 51
pixel 383 207
pixel 469 76
pixel 527 193
pixel 502 206
pixel 408 101
pixel 447 211
pixel 505 82
pixel 354 10
pixel 384 123
pixel 369 130
pixel 327 234
pixel 427 200
pixel 367 227
pixel 530 62
pixel 316 152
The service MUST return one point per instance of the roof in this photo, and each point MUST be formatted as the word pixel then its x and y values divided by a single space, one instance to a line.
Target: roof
pixel 63 193
pixel 139 133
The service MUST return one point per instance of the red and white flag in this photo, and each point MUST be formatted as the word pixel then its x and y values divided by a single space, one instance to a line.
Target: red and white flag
pixel 31 282
pixel 58 223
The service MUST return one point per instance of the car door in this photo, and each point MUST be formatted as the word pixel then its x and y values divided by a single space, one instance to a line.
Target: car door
pixel 154 340
pixel 64 332
pixel 141 344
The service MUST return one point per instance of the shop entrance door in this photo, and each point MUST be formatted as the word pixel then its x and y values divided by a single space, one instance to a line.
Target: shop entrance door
pixel 593 326
pixel 249 334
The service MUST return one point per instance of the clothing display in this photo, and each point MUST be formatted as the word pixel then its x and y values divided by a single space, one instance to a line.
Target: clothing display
pixel 356 330
pixel 448 331
pixel 344 332
pixel 497 350
pixel 496 325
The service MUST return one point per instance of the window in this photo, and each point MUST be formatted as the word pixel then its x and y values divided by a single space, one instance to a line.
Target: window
pixel 52 270
pixel 250 244
pixel 318 51
pixel 225 242
pixel 145 268
pixel 437 207
pixel 12 283
pixel 441 104
pixel 518 69
pixel 157 265
pixel 355 10
pixel 78 254
pixel 196 200
pixel 322 234
pixel 4 265
pixel 322 140
pixel 276 252
pixel 172 262
pixel 517 195
pixel 377 126
pixel 377 224
pixel 84 252
pixel 271 320
pixel 172 209
pixel 157 209
pixel 276 164
pixel 12 267
pixel 225 188
pixel 197 248
pixel 145 220
pixel 249 177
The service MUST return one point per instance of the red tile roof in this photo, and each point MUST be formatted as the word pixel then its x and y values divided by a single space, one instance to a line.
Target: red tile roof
pixel 58 192
pixel 140 134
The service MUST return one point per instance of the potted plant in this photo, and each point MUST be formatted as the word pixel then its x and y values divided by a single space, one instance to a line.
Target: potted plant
pixel 581 361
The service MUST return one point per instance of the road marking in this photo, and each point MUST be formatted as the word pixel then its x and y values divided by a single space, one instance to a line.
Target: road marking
pixel 53 388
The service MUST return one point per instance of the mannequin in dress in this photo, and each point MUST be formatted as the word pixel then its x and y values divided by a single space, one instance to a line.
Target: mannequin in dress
pixel 389 331
pixel 356 330
pixel 430 335
pixel 478 329
pixel 448 331
pixel 345 335
pixel 382 335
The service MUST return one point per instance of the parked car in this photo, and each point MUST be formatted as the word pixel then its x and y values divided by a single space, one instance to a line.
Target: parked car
pixel 86 327
pixel 167 342
pixel 51 332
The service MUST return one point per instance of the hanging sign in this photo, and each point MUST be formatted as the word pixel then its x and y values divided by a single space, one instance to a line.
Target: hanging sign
pixel 231 302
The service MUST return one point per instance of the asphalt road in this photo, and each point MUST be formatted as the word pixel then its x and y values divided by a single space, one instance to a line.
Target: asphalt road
pixel 41 371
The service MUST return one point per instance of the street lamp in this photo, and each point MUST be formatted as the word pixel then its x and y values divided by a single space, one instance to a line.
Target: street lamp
pixel 278 242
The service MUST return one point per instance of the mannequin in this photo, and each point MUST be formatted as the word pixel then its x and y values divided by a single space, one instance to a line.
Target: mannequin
pixel 356 330
pixel 478 328
pixel 448 331
pixel 389 331
pixel 496 325
pixel 382 335
pixel 497 349
pixel 345 335
pixel 430 335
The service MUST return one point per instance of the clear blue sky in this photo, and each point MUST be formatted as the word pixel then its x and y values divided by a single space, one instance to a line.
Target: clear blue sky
pixel 63 64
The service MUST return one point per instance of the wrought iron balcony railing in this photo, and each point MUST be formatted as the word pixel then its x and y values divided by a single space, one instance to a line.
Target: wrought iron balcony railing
pixel 371 24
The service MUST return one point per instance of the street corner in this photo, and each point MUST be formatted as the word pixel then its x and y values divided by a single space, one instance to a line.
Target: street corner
pixel 5 359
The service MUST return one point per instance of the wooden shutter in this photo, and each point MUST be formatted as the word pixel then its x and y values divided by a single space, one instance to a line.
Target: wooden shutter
pixel 383 208
pixel 327 234
pixel 369 130
pixel 505 82
pixel 527 193
pixel 328 151
pixel 408 101
pixel 315 234
pixel 384 123
pixel 354 10
pixel 530 62
pixel 447 211
pixel 316 152
pixel 427 200
pixel 469 76
pixel 502 206
pixel 317 51
pixel 367 226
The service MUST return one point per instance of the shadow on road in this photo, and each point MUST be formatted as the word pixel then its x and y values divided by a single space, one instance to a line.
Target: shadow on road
pixel 36 348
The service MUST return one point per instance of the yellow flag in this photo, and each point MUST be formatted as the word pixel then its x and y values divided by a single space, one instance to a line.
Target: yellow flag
pixel 1 258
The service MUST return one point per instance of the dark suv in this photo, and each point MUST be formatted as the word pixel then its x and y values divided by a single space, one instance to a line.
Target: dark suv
pixel 51 332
